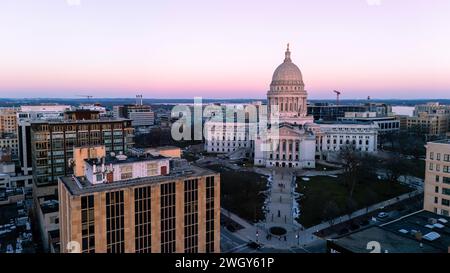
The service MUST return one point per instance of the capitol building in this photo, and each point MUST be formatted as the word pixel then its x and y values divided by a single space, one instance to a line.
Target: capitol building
pixel 292 139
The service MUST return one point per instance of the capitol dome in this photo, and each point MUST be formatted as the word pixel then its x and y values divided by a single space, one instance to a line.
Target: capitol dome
pixel 287 73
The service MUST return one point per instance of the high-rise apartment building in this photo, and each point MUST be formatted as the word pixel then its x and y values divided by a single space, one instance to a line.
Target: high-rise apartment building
pixel 140 205
pixel 437 177
pixel 53 142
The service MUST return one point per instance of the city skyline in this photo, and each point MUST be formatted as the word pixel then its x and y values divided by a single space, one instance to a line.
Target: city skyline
pixel 225 49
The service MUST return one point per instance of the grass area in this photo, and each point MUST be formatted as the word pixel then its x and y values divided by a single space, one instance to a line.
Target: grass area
pixel 326 197
pixel 320 167
pixel 240 192
pixel 416 167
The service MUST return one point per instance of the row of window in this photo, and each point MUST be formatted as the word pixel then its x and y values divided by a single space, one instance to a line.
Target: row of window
pixel 438 157
pixel 437 167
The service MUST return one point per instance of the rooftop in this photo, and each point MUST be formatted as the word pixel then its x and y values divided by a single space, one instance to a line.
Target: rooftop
pixel 343 122
pixel 399 236
pixel 441 141
pixel 80 185
pixel 115 160
pixel 59 121
pixel 50 206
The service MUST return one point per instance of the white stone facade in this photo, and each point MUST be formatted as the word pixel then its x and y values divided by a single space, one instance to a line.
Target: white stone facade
pixel 293 140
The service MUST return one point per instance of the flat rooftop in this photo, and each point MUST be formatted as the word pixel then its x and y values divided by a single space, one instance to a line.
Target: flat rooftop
pixel 441 141
pixel 399 236
pixel 343 122
pixel 81 186
pixel 130 159
pixel 65 121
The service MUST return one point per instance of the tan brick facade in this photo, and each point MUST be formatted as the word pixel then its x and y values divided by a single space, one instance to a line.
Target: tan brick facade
pixel 437 177
pixel 71 226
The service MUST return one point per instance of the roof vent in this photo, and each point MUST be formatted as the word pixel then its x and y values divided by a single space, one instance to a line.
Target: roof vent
pixel 442 220
pixel 432 236
pixel 432 221
pixel 121 157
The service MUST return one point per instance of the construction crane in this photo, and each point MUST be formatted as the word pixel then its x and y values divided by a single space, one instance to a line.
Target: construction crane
pixel 86 96
pixel 337 96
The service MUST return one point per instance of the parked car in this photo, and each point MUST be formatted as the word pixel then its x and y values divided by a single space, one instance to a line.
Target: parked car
pixel 382 215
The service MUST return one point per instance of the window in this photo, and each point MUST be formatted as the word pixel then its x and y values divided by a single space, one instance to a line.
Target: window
pixel 168 239
pixel 115 232
pixel 446 191
pixel 447 157
pixel 436 189
pixel 431 166
pixel 445 202
pixel 431 155
pixel 445 169
pixel 126 172
pixel 87 224
pixel 210 214
pixel 437 178
pixel 191 216
pixel 152 169
pixel 446 180
pixel 99 177
pixel 142 219
pixel 438 156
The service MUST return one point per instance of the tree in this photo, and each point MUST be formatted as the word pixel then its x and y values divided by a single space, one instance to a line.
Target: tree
pixel 351 161
pixel 395 167
pixel 351 206
pixel 330 212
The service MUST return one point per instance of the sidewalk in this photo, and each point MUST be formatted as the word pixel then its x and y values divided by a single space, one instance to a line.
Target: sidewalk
pixel 364 211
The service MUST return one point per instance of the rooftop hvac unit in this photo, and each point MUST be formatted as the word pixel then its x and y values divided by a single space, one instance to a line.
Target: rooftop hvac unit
pixel 432 236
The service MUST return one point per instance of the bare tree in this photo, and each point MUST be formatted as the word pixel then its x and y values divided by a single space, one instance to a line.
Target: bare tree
pixel 351 161
pixel 331 211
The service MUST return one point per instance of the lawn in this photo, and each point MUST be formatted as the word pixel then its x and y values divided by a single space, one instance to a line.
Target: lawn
pixel 241 192
pixel 322 191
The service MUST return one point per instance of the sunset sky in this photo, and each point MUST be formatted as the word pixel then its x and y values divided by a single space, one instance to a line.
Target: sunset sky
pixel 223 48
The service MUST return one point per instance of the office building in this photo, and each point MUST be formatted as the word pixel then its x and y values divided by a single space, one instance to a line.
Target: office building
pixel 431 124
pixel 386 124
pixel 142 116
pixel 53 143
pixel 8 121
pixel 431 108
pixel 140 205
pixel 437 177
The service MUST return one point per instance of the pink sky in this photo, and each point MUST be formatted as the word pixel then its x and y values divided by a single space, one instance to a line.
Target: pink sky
pixel 223 48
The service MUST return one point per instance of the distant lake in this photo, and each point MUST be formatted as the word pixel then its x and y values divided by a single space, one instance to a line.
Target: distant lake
pixel 403 110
